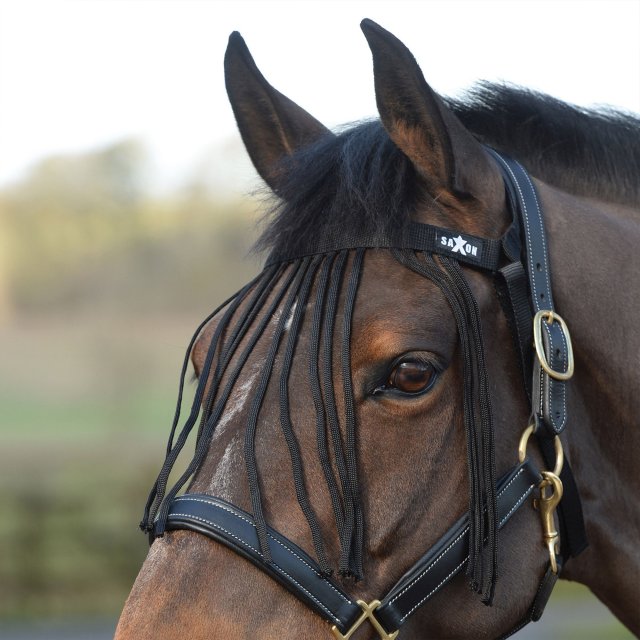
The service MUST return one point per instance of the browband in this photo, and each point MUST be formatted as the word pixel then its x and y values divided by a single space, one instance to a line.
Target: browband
pixel 485 253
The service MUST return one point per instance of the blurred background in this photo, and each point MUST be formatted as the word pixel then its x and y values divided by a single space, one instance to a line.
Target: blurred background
pixel 127 208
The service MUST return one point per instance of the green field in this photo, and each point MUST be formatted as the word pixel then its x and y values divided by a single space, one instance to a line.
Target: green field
pixel 85 411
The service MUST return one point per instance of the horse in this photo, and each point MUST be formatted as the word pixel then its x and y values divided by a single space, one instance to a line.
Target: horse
pixel 361 396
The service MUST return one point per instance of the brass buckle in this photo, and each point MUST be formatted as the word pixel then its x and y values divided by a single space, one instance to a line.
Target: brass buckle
pixel 367 614
pixel 551 317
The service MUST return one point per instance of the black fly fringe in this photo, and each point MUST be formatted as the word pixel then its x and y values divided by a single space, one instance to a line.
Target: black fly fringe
pixel 316 393
pixel 276 303
pixel 256 404
pixel 279 297
pixel 208 428
pixel 484 576
pixel 332 410
pixel 158 503
pixel 355 529
pixel 481 567
pixel 254 307
pixel 157 494
pixel 285 418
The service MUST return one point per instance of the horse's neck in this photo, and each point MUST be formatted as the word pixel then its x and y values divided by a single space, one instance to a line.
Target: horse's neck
pixel 595 261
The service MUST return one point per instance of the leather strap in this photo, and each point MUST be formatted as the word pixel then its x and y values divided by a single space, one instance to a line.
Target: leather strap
pixel 300 574
pixel 449 556
pixel 290 565
pixel 549 395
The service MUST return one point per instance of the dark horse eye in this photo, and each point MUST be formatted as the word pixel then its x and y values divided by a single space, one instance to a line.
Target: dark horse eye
pixel 411 376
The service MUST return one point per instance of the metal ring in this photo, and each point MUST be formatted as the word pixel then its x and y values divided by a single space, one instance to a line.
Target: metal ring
pixel 524 439
pixel 552 317
pixel 522 448
pixel 557 470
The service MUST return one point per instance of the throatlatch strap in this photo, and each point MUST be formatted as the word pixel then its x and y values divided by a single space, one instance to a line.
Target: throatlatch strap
pixel 302 576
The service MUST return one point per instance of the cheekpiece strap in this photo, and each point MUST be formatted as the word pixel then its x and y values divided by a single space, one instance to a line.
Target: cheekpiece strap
pixel 554 362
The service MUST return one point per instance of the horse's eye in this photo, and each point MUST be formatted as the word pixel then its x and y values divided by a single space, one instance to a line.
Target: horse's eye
pixel 411 376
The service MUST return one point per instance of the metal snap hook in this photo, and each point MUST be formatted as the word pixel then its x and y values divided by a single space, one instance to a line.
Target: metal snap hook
pixel 548 503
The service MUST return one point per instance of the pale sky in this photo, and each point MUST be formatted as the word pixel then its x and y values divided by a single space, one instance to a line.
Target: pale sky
pixel 77 74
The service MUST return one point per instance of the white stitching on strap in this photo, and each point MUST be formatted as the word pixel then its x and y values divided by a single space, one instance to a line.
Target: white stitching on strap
pixel 526 215
pixel 433 564
pixel 516 505
pixel 454 571
pixel 536 299
pixel 546 274
pixel 563 388
pixel 246 544
pixel 542 234
pixel 284 546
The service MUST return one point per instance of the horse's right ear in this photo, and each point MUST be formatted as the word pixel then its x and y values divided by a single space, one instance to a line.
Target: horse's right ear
pixel 444 153
pixel 271 125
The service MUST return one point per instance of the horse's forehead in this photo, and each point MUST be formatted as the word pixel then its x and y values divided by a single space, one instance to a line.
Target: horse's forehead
pixel 393 306
pixel 386 285
pixel 397 308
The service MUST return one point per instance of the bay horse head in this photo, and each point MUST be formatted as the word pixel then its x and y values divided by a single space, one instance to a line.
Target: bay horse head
pixel 360 404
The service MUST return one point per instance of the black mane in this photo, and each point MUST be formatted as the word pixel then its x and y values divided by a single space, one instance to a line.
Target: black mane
pixel 587 152
pixel 358 181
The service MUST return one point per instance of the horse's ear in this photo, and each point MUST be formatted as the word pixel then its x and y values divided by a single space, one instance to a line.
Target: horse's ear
pixel 419 122
pixel 271 125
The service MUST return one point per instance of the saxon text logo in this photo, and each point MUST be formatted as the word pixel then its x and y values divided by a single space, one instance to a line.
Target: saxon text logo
pixel 459 245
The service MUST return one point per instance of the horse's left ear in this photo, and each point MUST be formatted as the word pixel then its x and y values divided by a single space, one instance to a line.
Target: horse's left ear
pixel 444 153
pixel 271 125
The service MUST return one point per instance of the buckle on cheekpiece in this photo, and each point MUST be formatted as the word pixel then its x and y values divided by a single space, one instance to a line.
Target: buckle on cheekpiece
pixel 551 317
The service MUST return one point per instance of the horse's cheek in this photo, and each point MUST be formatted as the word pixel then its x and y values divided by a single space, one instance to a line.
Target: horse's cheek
pixel 159 605
pixel 521 563
pixel 190 587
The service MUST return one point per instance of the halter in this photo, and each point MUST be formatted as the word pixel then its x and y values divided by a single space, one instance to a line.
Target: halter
pixel 519 264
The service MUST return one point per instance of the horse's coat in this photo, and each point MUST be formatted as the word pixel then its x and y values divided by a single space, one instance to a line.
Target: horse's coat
pixel 411 450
